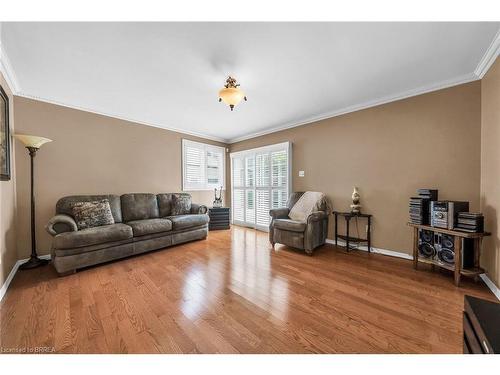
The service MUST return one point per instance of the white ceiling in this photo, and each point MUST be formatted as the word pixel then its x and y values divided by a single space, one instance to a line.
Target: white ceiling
pixel 168 74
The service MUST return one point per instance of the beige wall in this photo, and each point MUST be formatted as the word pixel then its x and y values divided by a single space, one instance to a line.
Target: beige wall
pixel 490 169
pixel 8 253
pixel 91 154
pixel 431 140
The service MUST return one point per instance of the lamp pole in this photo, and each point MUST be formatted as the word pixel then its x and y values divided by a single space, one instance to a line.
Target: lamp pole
pixel 34 260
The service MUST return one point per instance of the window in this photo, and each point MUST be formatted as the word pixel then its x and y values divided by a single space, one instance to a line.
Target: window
pixel 261 180
pixel 203 166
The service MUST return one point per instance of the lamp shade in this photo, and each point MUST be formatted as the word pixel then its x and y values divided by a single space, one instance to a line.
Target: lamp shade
pixel 231 95
pixel 32 140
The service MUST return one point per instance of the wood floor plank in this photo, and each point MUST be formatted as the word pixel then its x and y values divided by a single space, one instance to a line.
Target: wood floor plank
pixel 232 293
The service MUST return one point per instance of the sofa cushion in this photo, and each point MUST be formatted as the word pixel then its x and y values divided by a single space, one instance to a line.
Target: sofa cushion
pixel 149 226
pixel 139 206
pixel 181 204
pixel 92 214
pixel 92 236
pixel 290 225
pixel 188 221
pixel 65 204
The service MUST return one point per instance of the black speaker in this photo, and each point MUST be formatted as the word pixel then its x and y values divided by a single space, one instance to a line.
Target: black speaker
pixel 426 244
pixel 445 250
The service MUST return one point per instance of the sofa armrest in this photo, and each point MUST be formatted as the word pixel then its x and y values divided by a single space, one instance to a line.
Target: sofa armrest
pixel 279 213
pixel 317 216
pixel 198 208
pixel 61 223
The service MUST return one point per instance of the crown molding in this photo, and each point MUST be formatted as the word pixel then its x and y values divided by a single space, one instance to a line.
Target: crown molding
pixel 358 107
pixel 8 71
pixel 154 125
pixel 489 57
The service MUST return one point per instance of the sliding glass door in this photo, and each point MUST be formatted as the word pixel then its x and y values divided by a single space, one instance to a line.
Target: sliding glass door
pixel 260 181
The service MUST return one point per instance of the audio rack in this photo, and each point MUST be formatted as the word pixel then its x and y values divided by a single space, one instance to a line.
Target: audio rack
pixel 460 268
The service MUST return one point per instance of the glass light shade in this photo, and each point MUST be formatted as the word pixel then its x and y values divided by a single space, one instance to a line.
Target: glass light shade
pixel 32 140
pixel 231 95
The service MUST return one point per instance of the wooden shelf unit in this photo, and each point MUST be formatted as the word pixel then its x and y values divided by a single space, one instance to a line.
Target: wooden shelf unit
pixel 458 236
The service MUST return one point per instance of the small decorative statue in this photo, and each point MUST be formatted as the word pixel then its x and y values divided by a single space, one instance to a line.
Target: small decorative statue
pixel 217 200
pixel 355 206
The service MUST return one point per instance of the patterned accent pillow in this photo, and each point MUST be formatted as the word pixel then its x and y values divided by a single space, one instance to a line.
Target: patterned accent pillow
pixel 181 204
pixel 92 214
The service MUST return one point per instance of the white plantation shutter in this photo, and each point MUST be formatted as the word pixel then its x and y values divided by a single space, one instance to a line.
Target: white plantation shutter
pixel 263 206
pixel 238 208
pixel 202 166
pixel 214 168
pixel 260 181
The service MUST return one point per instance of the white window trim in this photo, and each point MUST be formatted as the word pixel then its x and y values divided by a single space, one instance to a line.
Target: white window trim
pixel 205 147
pixel 252 151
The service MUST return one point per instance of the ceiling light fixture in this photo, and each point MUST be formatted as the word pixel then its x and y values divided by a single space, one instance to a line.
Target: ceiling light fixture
pixel 231 94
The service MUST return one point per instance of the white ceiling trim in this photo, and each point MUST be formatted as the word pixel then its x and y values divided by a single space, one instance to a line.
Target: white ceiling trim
pixel 181 131
pixel 489 57
pixel 483 66
pixel 358 107
pixel 7 71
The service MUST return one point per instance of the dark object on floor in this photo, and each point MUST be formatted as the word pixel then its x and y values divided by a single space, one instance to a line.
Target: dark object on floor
pixel 481 327
pixel 219 218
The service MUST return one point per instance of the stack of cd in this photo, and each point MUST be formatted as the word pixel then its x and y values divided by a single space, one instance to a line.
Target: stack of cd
pixel 420 206
pixel 419 210
pixel 431 194
pixel 470 222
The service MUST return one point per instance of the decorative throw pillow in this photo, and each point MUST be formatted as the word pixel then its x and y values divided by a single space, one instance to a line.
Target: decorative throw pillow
pixel 92 214
pixel 181 204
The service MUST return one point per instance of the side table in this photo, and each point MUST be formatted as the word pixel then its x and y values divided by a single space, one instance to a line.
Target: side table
pixel 219 218
pixel 347 238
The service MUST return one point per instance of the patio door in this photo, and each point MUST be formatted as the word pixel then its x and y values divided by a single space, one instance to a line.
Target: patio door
pixel 261 180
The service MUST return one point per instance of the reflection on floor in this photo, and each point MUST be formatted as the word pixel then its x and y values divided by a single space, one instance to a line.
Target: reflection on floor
pixel 233 294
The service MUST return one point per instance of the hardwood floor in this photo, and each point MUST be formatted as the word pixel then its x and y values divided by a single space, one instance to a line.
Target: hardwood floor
pixel 232 294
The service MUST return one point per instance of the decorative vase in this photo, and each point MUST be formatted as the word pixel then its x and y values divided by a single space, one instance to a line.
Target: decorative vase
pixel 355 206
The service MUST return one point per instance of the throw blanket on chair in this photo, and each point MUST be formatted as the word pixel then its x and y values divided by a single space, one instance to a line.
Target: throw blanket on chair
pixel 308 203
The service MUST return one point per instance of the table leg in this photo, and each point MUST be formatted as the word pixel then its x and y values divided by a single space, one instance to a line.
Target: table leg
pixel 415 247
pixel 336 230
pixel 347 219
pixel 369 234
pixel 458 259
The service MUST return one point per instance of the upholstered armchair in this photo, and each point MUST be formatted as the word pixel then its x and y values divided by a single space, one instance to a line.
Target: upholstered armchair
pixel 306 235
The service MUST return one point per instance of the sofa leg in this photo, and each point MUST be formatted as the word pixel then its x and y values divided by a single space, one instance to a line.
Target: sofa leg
pixel 309 252
pixel 67 273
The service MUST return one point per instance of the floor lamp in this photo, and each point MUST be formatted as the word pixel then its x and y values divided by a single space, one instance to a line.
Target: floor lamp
pixel 32 143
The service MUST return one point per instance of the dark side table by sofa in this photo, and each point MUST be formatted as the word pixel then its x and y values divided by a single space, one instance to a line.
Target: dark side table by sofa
pixel 347 238
pixel 219 218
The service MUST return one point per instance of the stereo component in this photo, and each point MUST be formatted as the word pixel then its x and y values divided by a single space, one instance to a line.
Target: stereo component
pixel 440 247
pixel 444 213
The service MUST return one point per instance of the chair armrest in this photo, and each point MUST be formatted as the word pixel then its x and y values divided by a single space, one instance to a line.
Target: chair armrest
pixel 198 208
pixel 317 216
pixel 61 223
pixel 279 213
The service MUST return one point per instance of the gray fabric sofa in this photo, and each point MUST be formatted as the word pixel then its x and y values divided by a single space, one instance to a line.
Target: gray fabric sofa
pixel 143 222
pixel 305 236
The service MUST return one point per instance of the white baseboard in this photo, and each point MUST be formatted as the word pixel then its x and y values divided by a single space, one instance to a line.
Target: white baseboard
pixel 12 273
pixel 490 284
pixel 376 250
